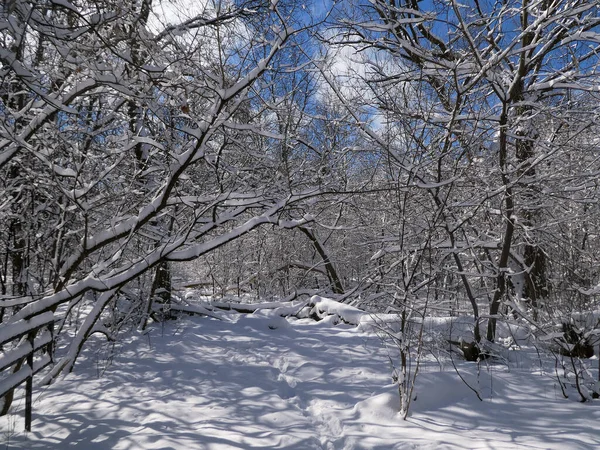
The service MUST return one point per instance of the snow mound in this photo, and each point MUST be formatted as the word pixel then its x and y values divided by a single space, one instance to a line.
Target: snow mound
pixel 260 321
pixel 322 306
pixel 381 408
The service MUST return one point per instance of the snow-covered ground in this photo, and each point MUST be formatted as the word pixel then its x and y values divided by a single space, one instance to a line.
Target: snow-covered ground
pixel 259 381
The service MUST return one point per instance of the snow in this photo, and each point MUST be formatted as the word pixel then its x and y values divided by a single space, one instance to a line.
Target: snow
pixel 16 378
pixel 22 350
pixel 22 327
pixel 348 314
pixel 263 381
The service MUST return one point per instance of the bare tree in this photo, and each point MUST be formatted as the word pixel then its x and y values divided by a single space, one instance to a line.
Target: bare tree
pixel 138 140
pixel 467 83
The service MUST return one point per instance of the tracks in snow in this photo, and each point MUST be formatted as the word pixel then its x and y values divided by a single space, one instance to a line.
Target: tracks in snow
pixel 314 380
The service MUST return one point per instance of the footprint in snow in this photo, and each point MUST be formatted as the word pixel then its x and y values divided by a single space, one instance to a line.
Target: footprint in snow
pixel 286 387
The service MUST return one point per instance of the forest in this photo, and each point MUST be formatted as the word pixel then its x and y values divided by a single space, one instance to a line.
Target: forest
pixel 417 161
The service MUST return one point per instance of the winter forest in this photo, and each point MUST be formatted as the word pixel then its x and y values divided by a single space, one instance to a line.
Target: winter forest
pixel 347 224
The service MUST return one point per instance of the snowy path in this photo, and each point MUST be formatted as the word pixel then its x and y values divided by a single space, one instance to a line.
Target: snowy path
pixel 206 384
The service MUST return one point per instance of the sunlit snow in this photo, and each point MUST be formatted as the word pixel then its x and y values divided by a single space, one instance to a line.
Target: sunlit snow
pixel 263 381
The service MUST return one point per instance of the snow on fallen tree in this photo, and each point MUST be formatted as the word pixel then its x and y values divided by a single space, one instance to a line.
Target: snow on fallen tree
pixel 317 308
pixel 321 307
pixel 194 309
pixel 283 309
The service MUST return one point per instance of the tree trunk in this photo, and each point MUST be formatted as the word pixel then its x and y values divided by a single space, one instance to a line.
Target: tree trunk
pixel 508 233
pixel 332 275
